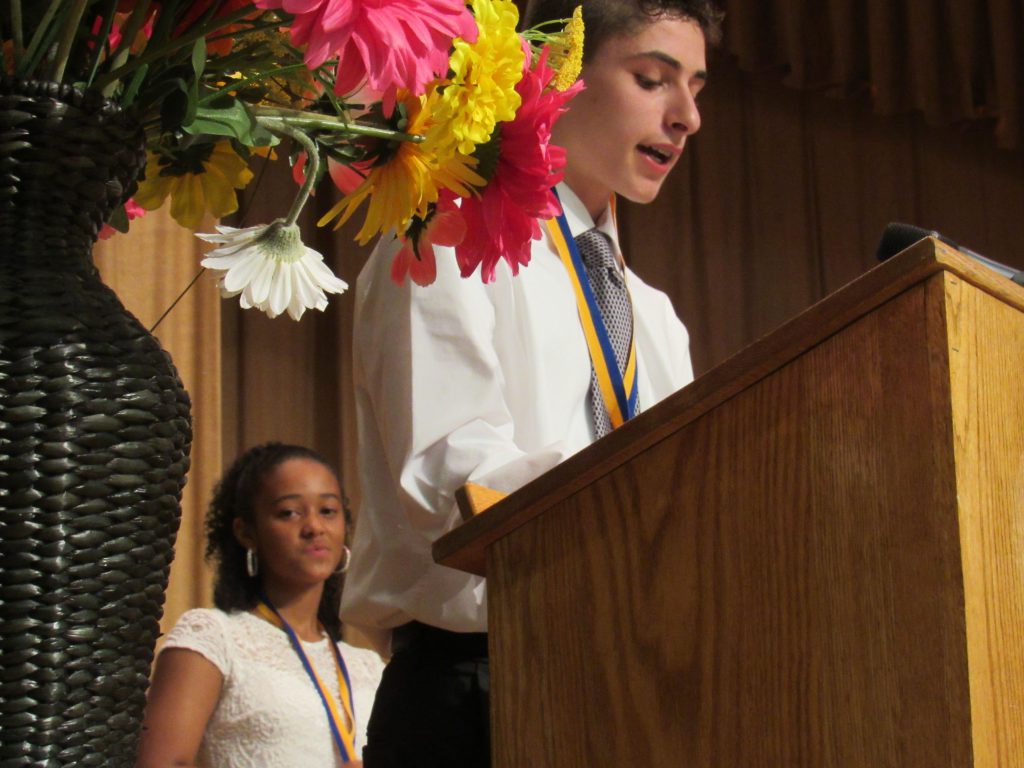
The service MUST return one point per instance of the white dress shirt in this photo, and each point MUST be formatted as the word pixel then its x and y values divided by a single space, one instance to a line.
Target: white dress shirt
pixel 460 381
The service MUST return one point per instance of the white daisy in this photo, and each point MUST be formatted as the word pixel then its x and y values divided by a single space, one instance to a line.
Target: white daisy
pixel 271 268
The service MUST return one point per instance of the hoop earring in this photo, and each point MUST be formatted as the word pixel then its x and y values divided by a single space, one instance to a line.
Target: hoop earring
pixel 252 564
pixel 343 566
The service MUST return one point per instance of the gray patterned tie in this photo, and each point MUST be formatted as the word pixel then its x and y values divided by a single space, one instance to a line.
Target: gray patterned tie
pixel 609 288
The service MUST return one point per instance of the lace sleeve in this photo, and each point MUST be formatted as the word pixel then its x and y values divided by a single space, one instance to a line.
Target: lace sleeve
pixel 202 630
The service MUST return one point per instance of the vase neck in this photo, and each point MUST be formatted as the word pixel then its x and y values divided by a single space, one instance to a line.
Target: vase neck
pixel 69 161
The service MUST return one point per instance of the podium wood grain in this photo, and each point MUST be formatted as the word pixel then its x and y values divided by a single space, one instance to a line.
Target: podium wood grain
pixel 817 560
pixel 986 351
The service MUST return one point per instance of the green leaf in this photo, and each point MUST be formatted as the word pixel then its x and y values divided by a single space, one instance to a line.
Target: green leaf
pixel 198 66
pixel 488 154
pixel 345 153
pixel 119 219
pixel 227 116
pixel 174 107
pixel 199 57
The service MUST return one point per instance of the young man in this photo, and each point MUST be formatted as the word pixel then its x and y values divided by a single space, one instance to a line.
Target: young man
pixel 493 384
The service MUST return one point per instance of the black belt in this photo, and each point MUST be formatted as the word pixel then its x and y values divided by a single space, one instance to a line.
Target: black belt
pixel 424 638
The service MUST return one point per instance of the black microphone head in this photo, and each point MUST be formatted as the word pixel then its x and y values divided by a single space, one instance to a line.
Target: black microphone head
pixel 899 236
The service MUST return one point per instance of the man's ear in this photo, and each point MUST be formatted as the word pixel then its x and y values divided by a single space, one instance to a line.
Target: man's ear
pixel 242 533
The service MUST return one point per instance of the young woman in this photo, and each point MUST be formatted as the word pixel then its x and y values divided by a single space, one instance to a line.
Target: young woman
pixel 262 679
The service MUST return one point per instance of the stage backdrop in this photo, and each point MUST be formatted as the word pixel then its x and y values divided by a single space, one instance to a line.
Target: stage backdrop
pixel 778 201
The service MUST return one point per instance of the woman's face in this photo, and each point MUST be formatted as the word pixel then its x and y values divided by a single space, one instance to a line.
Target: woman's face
pixel 299 530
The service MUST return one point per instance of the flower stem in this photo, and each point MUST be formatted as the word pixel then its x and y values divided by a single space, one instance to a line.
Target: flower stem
pixel 119 56
pixel 17 33
pixel 181 296
pixel 162 51
pixel 101 38
pixel 32 53
pixel 312 168
pixel 308 121
pixel 237 85
pixel 66 40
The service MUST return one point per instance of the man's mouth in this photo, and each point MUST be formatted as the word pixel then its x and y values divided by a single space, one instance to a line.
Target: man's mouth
pixel 662 158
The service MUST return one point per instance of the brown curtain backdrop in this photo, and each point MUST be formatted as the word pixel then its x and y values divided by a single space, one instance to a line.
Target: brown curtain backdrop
pixel 954 61
pixel 778 201
pixel 286 380
pixel 783 195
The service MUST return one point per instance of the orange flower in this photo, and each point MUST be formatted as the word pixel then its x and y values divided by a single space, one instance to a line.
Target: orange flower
pixel 443 226
pixel 221 46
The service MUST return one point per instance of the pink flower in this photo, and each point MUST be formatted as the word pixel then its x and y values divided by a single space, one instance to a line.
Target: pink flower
pixel 503 220
pixel 346 177
pixel 391 43
pixel 443 226
pixel 113 39
pixel 133 211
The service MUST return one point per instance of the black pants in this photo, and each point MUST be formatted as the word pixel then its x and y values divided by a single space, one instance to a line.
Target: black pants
pixel 433 706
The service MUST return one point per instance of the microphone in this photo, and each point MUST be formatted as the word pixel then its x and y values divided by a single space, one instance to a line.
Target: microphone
pixel 898 236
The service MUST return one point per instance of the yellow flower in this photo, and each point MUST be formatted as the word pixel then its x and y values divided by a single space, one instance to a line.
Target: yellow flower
pixel 567 58
pixel 481 90
pixel 407 183
pixel 199 180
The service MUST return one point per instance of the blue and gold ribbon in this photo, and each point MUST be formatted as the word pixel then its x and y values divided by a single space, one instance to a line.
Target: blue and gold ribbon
pixel 618 390
pixel 343 729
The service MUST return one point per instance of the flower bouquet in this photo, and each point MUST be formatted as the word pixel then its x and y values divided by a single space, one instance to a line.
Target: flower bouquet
pixel 433 115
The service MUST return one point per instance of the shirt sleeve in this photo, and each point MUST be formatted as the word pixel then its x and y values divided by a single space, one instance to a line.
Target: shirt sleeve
pixel 426 360
pixel 663 343
pixel 202 630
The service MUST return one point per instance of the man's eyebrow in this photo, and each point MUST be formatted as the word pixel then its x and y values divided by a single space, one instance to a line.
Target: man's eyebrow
pixel 671 61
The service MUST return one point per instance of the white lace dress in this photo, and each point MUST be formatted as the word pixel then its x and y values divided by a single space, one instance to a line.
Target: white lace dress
pixel 269 713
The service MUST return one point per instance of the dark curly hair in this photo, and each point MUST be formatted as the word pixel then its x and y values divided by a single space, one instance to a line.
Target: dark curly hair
pixel 603 19
pixel 234 495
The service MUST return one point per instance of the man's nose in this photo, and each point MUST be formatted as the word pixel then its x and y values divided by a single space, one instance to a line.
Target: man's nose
pixel 684 116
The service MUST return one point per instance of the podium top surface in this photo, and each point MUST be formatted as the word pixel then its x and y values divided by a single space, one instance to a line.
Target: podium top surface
pixel 465 547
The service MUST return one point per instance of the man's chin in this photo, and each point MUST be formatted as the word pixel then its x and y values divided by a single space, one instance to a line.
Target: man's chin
pixel 642 196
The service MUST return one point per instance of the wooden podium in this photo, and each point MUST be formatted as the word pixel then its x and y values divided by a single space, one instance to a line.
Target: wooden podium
pixel 812 556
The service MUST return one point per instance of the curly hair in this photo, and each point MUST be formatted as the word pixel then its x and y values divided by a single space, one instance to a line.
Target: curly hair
pixel 603 19
pixel 234 497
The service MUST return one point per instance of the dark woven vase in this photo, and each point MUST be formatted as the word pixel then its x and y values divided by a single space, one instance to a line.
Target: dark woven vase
pixel 94 442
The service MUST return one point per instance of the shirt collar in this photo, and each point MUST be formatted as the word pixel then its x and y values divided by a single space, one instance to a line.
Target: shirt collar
pixel 579 219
